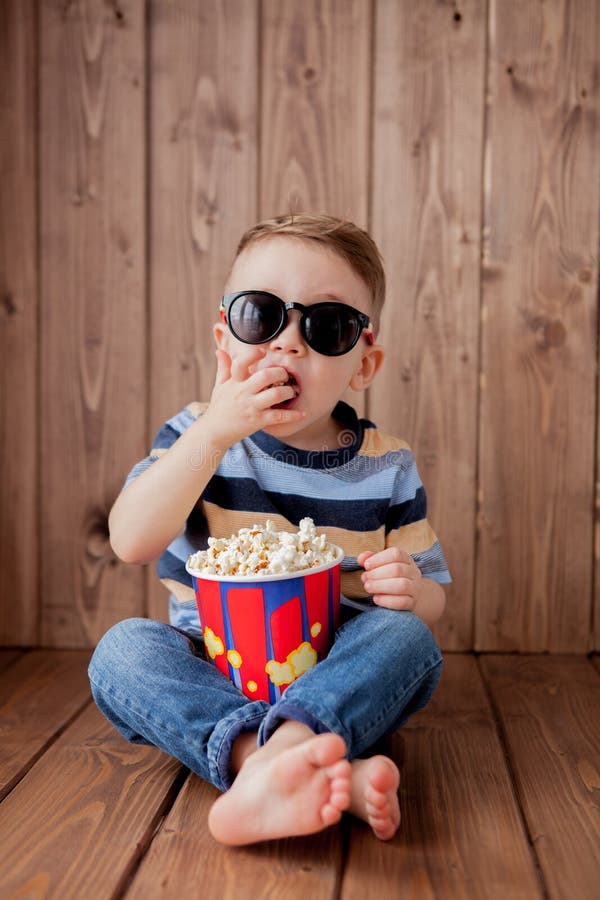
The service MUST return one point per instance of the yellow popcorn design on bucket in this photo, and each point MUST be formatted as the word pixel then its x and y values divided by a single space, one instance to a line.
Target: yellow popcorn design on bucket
pixel 213 643
pixel 234 659
pixel 301 659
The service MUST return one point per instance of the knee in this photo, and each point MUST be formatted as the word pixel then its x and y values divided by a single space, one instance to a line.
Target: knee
pixel 408 633
pixel 121 650
pixel 423 636
pixel 119 639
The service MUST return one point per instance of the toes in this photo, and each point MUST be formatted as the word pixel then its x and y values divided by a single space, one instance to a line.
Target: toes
pixel 375 799
pixel 340 771
pixel 340 799
pixel 384 834
pixel 325 749
pixel 383 775
pixel 330 814
pixel 381 799
pixel 340 790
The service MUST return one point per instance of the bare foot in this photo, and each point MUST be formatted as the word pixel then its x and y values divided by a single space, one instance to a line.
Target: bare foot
pixel 375 795
pixel 284 790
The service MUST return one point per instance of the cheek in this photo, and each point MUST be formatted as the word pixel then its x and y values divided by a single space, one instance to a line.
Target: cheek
pixel 337 373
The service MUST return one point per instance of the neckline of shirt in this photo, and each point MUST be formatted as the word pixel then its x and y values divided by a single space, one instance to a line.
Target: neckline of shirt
pixel 351 440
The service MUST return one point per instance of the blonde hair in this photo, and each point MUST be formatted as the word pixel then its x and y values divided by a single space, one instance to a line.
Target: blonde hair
pixel 349 241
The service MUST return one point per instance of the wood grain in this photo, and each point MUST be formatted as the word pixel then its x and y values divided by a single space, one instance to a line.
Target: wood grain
pixel 203 175
pixel 550 712
pixel 428 140
pixel 184 855
pixel 8 657
pixel 39 694
pixel 461 835
pixel 314 147
pixel 18 326
pixel 93 306
pixel 540 269
pixel 315 113
pixel 79 832
pixel 595 628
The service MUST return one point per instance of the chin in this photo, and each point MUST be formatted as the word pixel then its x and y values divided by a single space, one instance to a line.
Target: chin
pixel 286 429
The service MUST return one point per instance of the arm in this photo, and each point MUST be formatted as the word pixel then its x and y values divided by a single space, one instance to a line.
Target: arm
pixel 395 581
pixel 151 511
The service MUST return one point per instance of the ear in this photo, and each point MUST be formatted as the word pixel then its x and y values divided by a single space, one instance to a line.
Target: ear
pixel 221 336
pixel 370 365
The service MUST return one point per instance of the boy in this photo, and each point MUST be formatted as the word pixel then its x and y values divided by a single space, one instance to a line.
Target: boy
pixel 276 441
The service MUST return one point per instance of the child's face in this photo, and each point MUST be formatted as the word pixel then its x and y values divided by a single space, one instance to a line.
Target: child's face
pixel 293 269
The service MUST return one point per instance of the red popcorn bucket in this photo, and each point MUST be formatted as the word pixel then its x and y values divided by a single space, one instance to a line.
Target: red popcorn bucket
pixel 263 633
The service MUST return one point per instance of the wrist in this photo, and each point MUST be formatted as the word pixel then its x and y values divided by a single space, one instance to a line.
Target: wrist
pixel 431 601
pixel 215 429
pixel 206 445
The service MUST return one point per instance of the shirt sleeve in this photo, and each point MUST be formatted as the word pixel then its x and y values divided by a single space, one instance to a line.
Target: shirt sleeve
pixel 407 526
pixel 165 437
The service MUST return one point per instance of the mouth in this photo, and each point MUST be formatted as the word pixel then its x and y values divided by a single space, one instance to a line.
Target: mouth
pixel 292 381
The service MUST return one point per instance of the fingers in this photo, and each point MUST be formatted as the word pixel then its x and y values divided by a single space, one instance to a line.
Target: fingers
pixel 271 395
pixel 389 555
pixel 266 381
pixel 402 587
pixel 382 577
pixel 392 578
pixel 241 365
pixel 392 570
pixel 245 400
pixel 394 601
pixel 223 367
pixel 265 388
pixel 268 377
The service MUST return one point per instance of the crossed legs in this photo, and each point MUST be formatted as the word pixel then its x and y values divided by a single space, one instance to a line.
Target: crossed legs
pixel 153 684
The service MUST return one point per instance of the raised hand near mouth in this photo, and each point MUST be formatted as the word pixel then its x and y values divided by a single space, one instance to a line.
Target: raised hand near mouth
pixel 244 401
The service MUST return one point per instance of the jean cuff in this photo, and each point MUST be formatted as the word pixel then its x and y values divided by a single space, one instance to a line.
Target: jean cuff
pixel 241 721
pixel 283 711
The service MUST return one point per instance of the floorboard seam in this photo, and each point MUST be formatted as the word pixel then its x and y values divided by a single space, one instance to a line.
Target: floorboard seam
pixel 154 828
pixel 43 750
pixel 504 744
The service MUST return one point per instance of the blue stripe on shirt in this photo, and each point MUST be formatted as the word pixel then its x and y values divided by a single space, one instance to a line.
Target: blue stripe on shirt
pixel 369 476
pixel 245 494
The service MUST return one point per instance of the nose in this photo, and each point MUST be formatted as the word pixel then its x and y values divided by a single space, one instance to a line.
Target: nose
pixel 290 340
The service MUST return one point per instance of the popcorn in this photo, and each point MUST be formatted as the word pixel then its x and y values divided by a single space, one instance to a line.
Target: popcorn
pixel 262 550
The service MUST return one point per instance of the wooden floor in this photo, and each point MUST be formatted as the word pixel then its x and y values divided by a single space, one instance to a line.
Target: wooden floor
pixel 500 797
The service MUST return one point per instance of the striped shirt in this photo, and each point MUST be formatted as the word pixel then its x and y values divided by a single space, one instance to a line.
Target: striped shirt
pixel 366 495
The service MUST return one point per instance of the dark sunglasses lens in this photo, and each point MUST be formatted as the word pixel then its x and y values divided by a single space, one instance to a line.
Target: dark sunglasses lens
pixel 331 330
pixel 255 318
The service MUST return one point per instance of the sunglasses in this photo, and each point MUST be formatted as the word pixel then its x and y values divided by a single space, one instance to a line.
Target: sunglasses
pixel 255 317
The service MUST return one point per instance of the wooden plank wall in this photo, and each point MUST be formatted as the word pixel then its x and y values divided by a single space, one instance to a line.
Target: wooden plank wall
pixel 141 138
pixel 19 485
pixel 92 305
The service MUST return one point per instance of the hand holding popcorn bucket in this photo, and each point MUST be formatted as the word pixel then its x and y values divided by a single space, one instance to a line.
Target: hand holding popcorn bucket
pixel 265 630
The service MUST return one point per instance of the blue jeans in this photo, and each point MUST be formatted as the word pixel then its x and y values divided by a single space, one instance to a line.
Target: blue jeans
pixel 154 684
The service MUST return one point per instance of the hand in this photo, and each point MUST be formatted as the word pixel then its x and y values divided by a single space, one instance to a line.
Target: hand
pixel 392 577
pixel 242 400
